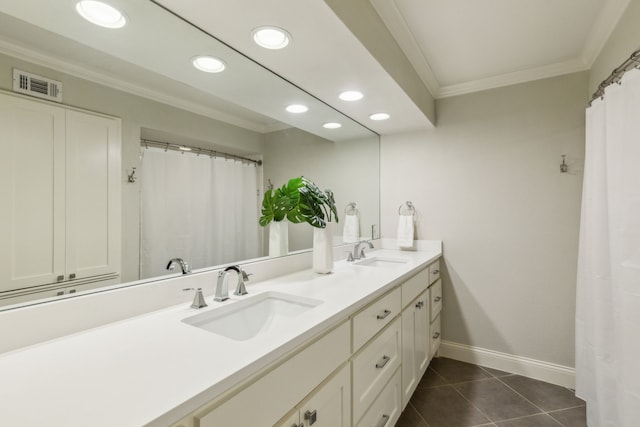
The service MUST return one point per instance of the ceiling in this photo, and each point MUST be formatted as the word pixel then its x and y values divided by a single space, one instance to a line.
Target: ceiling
pixel 454 47
pixel 462 46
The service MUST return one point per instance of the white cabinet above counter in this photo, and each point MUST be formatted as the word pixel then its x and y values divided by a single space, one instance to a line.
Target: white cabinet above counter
pixel 155 369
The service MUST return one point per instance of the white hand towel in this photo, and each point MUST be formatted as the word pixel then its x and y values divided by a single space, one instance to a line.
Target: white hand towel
pixel 351 229
pixel 405 231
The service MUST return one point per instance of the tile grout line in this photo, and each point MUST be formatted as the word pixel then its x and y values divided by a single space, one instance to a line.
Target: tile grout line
pixel 536 406
pixel 417 412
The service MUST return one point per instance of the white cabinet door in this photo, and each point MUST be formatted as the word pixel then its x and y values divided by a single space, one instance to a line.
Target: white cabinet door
pixel 291 421
pixel 330 405
pixel 93 195
pixel 415 344
pixel 32 194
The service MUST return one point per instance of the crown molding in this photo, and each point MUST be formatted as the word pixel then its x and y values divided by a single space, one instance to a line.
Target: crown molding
pixel 553 70
pixel 41 59
pixel 397 25
pixel 602 29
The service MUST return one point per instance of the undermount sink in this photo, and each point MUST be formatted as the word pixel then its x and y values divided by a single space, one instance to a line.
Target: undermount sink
pixel 381 262
pixel 253 316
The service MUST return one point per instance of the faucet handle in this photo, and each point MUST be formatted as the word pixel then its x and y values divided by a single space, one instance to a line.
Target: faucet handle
pixel 240 288
pixel 198 298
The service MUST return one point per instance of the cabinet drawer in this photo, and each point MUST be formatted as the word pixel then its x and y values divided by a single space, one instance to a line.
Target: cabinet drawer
pixel 374 366
pixel 386 409
pixel 435 298
pixel 373 318
pixel 434 271
pixel 274 394
pixel 414 286
pixel 435 336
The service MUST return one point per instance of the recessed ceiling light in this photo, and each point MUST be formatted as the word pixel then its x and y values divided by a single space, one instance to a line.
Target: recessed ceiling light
pixel 208 64
pixel 351 95
pixel 379 116
pixel 101 14
pixel 332 125
pixel 271 37
pixel 297 108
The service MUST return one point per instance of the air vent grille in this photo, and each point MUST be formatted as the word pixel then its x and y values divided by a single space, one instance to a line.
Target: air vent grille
pixel 38 86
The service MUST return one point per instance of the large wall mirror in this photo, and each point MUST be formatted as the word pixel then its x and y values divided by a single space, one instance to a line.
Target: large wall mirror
pixel 143 75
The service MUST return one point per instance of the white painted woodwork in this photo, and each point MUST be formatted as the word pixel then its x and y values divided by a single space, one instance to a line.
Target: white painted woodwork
pixel 370 370
pixel 331 402
pixel 435 299
pixel 60 170
pixel 386 409
pixel 434 271
pixel 292 420
pixel 281 389
pixel 374 317
pixel 415 344
pixel 414 286
pixel 32 212
pixel 435 336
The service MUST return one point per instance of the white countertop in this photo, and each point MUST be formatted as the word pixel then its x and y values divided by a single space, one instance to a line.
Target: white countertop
pixel 154 369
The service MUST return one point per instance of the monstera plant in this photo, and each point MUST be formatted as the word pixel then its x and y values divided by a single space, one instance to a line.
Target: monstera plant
pixel 299 200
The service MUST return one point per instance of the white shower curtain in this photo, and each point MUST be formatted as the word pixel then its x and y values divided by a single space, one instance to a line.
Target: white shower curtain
pixel 608 294
pixel 201 209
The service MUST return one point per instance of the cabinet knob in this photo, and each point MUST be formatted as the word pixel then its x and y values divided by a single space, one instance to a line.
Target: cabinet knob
pixel 420 304
pixel 383 422
pixel 311 416
pixel 383 315
pixel 60 278
pixel 383 362
pixel 297 425
pixel 435 272
pixel 436 335
pixel 72 276
pixel 437 299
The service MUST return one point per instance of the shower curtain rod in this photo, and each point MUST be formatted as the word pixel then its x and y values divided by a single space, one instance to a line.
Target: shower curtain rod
pixel 197 150
pixel 616 75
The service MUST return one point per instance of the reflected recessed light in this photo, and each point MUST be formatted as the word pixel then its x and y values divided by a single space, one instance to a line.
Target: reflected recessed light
pixel 297 108
pixel 332 125
pixel 101 14
pixel 183 148
pixel 208 64
pixel 351 95
pixel 271 37
pixel 379 116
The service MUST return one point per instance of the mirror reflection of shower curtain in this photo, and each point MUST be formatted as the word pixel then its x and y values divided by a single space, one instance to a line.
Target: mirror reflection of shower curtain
pixel 202 209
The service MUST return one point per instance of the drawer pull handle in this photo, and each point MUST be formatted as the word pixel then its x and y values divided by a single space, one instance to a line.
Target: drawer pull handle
pixel 383 363
pixel 437 299
pixel 383 422
pixel 383 315
pixel 311 416
pixel 435 272
pixel 436 335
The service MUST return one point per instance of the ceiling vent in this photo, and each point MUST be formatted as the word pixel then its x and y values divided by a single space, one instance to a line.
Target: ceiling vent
pixel 38 86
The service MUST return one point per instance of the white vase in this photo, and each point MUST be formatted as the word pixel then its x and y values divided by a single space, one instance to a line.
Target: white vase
pixel 323 249
pixel 278 238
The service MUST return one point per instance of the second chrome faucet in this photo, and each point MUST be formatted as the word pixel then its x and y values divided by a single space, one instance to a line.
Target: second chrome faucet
pixel 222 287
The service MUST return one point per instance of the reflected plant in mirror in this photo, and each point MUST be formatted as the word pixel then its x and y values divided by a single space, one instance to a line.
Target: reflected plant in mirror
pixel 143 77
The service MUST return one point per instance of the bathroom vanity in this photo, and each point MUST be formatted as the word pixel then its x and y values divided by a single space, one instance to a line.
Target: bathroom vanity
pixel 343 349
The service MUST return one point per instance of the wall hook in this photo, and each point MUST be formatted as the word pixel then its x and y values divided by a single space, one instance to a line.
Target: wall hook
pixel 563 166
pixel 131 176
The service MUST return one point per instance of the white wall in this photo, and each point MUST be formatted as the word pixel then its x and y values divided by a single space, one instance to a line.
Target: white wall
pixel 487 182
pixel 624 40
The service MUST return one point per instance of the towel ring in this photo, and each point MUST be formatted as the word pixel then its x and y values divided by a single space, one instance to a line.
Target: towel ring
pixel 351 208
pixel 410 208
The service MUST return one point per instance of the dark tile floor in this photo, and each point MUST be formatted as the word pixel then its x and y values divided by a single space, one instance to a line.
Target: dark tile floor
pixel 458 394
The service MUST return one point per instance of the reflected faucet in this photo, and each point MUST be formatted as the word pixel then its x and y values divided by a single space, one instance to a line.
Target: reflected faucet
pixel 359 253
pixel 183 265
pixel 222 288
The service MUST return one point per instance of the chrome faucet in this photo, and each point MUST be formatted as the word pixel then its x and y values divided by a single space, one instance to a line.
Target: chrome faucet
pixel 358 252
pixel 222 288
pixel 183 265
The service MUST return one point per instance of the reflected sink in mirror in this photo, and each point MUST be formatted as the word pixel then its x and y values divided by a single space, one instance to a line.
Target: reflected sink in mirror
pixel 381 262
pixel 253 316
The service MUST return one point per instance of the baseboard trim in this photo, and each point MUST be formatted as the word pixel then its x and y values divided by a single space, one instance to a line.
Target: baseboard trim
pixel 532 368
